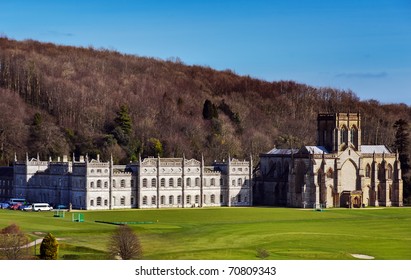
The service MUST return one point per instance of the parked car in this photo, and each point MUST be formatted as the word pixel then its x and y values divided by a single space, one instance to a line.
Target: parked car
pixel 15 206
pixel 4 205
pixel 61 207
pixel 28 207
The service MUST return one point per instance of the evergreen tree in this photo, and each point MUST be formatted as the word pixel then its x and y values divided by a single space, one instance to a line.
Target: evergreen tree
pixel 209 110
pixel 49 248
pixel 402 143
pixel 123 129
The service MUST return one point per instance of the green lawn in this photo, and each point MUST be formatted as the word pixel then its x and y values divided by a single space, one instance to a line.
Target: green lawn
pixel 232 233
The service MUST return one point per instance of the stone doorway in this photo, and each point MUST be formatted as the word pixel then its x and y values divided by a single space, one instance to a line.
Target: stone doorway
pixel 351 199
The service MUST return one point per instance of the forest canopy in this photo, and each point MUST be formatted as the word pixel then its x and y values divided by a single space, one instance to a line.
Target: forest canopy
pixel 58 100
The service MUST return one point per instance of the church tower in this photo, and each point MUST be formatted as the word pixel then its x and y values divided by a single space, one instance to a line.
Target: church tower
pixel 337 131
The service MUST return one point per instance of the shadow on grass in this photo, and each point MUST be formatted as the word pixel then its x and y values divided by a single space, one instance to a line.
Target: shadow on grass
pixel 70 252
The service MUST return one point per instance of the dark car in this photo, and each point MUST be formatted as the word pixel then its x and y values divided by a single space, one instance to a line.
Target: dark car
pixel 4 205
pixel 61 207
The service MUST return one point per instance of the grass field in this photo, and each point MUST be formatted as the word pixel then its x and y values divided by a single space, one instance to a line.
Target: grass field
pixel 232 233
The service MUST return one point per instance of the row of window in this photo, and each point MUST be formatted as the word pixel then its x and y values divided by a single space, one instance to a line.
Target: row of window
pixel 100 183
pixel 6 182
pixel 101 202
pixel 381 172
pixel 239 198
pixel 99 171
pixel 179 199
pixel 5 192
pixel 178 183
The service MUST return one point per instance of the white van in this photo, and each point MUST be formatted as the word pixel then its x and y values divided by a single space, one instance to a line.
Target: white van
pixel 13 201
pixel 41 207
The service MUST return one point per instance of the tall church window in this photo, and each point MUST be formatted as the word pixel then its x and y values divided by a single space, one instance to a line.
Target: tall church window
pixel 380 172
pixel 344 135
pixel 354 136
pixel 389 172
pixel 368 171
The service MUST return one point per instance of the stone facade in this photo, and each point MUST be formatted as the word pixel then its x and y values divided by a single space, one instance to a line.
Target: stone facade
pixel 338 172
pixel 148 183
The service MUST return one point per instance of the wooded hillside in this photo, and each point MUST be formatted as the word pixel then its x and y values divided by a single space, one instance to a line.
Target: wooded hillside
pixel 59 100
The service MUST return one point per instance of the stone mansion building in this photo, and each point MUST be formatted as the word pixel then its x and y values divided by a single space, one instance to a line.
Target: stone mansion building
pixel 338 172
pixel 149 183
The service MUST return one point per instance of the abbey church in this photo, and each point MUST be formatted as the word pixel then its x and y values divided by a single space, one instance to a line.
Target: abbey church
pixel 338 172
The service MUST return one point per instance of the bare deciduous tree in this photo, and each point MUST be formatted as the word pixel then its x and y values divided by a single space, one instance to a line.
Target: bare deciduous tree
pixel 12 243
pixel 124 244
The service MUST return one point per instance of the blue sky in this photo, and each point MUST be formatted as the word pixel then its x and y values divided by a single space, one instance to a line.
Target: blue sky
pixel 364 45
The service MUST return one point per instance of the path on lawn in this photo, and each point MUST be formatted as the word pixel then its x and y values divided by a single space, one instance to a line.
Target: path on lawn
pixel 35 242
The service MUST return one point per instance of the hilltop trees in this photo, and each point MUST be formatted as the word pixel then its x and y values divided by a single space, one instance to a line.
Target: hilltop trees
pixel 105 102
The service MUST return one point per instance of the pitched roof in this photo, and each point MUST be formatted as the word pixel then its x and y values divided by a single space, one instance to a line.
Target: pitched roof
pixel 276 151
pixel 315 149
pixel 378 149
